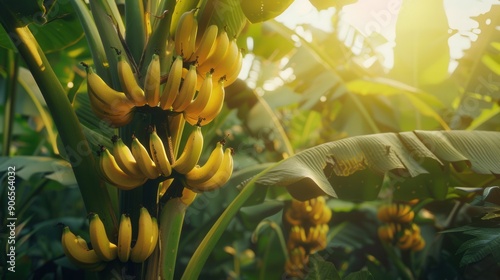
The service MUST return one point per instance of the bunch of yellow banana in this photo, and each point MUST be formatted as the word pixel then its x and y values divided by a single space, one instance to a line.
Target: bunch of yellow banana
pixel 296 263
pixel 146 241
pixel 308 228
pixel 312 240
pixel 76 250
pixel 116 107
pixel 213 50
pixel 214 173
pixel 127 168
pixel 313 212
pixel 405 236
pixel 398 227
pixel 110 105
pixel 395 213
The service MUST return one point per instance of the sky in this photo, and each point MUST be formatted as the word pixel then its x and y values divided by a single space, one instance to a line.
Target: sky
pixel 381 15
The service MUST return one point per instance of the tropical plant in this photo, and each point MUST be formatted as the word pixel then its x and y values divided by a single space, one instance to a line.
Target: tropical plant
pixel 313 114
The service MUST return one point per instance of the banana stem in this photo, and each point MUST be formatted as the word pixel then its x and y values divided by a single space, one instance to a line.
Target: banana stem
pixel 10 94
pixel 135 28
pixel 93 39
pixel 105 24
pixel 95 195
pixel 200 256
pixel 171 220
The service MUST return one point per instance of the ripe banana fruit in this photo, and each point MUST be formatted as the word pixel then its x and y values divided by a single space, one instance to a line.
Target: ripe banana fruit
pixel 163 186
pixel 125 159
pixel 191 153
pixel 206 45
pixel 187 90
pixel 115 175
pixel 152 82
pixel 194 109
pixel 159 154
pixel 233 72
pixel 108 104
pixel 129 83
pixel 218 52
pixel 76 250
pixel 213 108
pixel 185 34
pixel 220 177
pixel 205 172
pixel 154 236
pixel 171 89
pixel 230 58
pixel 146 237
pixel 124 238
pixel 104 249
pixel 146 164
pixel 188 196
pixel 398 213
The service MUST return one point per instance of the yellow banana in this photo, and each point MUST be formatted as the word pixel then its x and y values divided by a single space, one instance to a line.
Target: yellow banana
pixel 154 237
pixel 104 97
pixel 124 238
pixel 125 159
pixel 233 72
pixel 295 236
pixel 188 196
pixel 219 178
pixel 171 89
pixel 418 245
pixel 104 249
pixel 203 173
pixel 386 232
pixel 406 240
pixel 187 90
pixel 146 164
pixel 79 254
pixel 111 116
pixel 82 242
pixel 139 253
pixel 291 219
pixel 185 34
pixel 129 83
pixel 230 58
pixel 217 54
pixel 191 153
pixel 206 45
pixel 200 102
pixel 115 175
pixel 159 154
pixel 213 107
pixel 152 82
pixel 323 217
pixel 405 214
pixel 163 186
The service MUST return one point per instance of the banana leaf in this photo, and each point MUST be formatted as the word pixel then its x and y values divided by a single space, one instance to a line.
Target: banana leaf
pixel 418 164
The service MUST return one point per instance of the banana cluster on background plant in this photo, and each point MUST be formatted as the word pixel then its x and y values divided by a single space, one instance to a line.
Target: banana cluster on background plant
pixel 308 226
pixel 103 250
pixel 398 227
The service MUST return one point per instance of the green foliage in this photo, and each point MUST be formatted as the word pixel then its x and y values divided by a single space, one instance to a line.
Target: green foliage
pixel 360 135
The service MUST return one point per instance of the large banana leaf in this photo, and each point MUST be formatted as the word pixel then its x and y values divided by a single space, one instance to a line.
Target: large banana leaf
pixel 418 164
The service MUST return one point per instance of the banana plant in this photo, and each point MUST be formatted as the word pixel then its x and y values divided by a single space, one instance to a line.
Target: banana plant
pixel 140 41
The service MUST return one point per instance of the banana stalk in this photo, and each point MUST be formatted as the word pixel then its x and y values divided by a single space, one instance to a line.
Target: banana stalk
pixel 171 220
pixel 95 196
